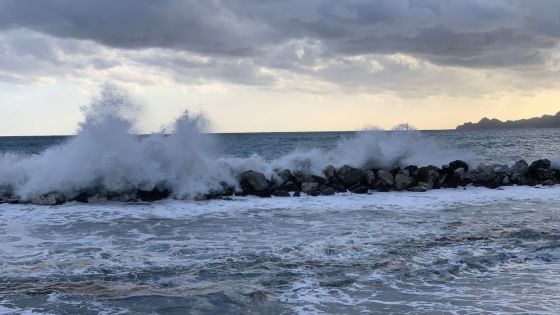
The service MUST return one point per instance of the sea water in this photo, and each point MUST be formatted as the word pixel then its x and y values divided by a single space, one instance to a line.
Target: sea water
pixel 461 251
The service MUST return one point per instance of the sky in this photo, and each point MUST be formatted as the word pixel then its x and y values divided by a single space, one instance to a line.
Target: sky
pixel 280 65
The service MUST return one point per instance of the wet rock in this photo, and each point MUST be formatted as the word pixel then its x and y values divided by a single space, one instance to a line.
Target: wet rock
pixel 328 191
pixel 254 183
pixel 540 170
pixel 411 170
pixel 52 198
pixel 285 175
pixel 8 198
pixel 429 175
pixel 338 187
pixel 459 173
pixel 544 163
pixel 317 179
pixel 310 188
pixel 297 194
pixel 155 194
pixel 385 178
pixel 329 172
pixel 455 178
pixel 359 189
pixel 403 181
pixel 459 164
pixel 370 177
pixel 289 186
pixel 350 176
pixel 280 193
pixel 483 174
pixel 519 171
pixel 421 187
pixel 124 197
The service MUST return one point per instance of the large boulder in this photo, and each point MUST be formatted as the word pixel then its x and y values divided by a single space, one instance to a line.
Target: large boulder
pixel 403 181
pixel 519 172
pixel 455 179
pixel 459 164
pixel 157 193
pixel 359 189
pixel 385 180
pixel 540 170
pixel 483 174
pixel 329 171
pixel 370 178
pixel 52 198
pixel 429 175
pixel 254 183
pixel 411 170
pixel 544 163
pixel 322 181
pixel 350 176
pixel 328 191
pixel 311 188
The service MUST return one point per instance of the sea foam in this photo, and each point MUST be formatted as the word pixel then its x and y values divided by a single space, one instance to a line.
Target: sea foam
pixel 107 154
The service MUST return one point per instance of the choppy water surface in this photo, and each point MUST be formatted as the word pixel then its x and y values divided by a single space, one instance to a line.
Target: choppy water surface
pixel 494 146
pixel 461 251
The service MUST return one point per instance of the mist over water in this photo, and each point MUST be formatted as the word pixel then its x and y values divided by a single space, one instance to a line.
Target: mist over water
pixel 107 154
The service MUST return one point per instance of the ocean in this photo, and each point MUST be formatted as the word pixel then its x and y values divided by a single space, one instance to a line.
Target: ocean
pixel 460 251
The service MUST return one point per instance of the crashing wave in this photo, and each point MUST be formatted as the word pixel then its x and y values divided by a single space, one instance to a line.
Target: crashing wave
pixel 107 156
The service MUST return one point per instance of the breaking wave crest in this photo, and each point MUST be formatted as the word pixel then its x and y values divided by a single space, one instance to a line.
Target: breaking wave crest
pixel 107 154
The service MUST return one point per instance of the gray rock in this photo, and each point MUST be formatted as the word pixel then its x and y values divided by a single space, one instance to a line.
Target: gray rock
pixel 285 175
pixel 329 172
pixel 100 197
pixel 328 191
pixel 52 198
pixel 310 188
pixel 459 164
pixel 482 174
pixel 351 176
pixel 370 177
pixel 540 170
pixel 505 180
pixel 385 178
pixel 253 182
pixel 403 181
pixel 540 164
pixel 419 188
pixel 460 173
pixel 519 170
pixel 360 189
pixel 317 179
pixel 428 174
pixel 281 193
pixel 412 170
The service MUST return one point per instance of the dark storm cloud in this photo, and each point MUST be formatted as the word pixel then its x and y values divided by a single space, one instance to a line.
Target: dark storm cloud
pixel 466 33
pixel 264 42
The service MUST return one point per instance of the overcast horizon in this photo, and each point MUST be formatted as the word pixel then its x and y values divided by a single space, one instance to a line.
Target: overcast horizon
pixel 258 66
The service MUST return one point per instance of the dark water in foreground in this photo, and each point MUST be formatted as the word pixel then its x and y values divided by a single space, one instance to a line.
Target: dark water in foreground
pixel 449 251
pixel 382 253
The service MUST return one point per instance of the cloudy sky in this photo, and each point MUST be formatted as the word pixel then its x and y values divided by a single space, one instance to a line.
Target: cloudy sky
pixel 280 65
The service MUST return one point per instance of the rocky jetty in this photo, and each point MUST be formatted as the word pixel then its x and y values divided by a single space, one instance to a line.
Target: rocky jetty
pixel 290 183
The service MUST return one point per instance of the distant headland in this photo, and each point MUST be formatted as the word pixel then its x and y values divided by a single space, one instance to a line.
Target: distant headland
pixel 545 121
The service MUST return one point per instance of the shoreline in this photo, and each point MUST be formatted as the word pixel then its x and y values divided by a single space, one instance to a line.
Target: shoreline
pixel 345 179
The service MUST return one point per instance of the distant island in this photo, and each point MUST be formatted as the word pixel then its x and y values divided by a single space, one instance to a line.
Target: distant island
pixel 545 121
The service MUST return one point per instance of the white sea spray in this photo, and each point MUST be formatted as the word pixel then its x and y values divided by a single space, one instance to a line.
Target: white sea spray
pixel 107 154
